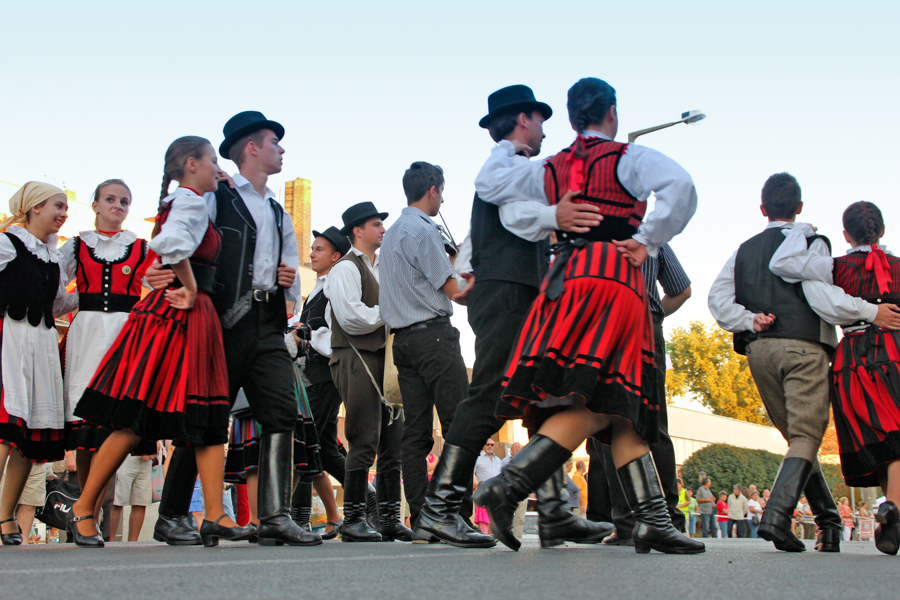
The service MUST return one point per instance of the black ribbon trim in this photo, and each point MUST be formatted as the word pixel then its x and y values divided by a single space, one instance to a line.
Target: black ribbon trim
pixel 556 278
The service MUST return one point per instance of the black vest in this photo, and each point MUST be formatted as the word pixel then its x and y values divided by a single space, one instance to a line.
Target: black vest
pixel 28 287
pixel 498 255
pixel 761 291
pixel 316 368
pixel 234 274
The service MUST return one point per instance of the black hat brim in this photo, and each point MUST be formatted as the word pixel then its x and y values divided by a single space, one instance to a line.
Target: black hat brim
pixel 348 229
pixel 333 242
pixel 225 146
pixel 518 107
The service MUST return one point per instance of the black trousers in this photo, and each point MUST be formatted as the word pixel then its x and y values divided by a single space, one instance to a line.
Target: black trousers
pixel 609 499
pixel 325 403
pixel 496 310
pixel 432 375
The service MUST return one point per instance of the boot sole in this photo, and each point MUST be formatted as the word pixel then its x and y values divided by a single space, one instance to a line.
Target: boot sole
pixel 779 541
pixel 277 542
pixel 645 547
pixel 159 538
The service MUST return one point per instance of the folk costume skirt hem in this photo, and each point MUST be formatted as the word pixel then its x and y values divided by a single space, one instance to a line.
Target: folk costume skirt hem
pixel 81 435
pixel 865 397
pixel 165 376
pixel 593 345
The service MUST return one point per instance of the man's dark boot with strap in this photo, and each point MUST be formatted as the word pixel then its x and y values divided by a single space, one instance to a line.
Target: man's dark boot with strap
pixel 828 519
pixel 653 527
pixel 301 505
pixel 356 527
pixel 389 525
pixel 526 472
pixel 557 524
pixel 439 519
pixel 174 525
pixel 776 524
pixel 371 505
pixel 276 461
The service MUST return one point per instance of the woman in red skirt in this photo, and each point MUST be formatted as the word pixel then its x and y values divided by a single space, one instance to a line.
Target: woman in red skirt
pixel 583 362
pixel 165 377
pixel 865 387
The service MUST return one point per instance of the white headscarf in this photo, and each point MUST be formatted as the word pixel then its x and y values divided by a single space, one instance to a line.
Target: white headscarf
pixel 27 197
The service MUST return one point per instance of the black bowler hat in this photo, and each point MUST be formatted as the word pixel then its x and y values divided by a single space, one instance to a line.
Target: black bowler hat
pixel 515 98
pixel 338 240
pixel 359 213
pixel 243 124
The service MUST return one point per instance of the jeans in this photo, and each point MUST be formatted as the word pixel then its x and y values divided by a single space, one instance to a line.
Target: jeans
pixel 741 530
pixel 723 529
pixel 753 529
pixel 692 524
pixel 708 526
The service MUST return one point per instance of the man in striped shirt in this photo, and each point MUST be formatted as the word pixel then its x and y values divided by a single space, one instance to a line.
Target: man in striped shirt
pixel 418 283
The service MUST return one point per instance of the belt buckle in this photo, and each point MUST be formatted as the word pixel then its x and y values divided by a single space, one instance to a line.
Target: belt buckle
pixel 261 295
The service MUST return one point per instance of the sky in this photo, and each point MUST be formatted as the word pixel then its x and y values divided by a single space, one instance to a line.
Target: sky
pixel 94 90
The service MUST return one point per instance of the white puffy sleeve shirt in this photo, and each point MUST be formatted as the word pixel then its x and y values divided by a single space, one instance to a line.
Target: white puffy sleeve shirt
pixel 184 228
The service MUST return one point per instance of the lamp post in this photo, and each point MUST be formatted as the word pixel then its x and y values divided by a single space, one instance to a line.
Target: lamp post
pixel 689 117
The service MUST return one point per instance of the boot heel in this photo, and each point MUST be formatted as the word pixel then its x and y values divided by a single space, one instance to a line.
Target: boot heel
pixel 641 547
pixel 270 542
pixel 210 541
pixel 552 542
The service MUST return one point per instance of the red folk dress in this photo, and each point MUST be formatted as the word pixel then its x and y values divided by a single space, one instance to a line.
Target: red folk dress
pixel 165 375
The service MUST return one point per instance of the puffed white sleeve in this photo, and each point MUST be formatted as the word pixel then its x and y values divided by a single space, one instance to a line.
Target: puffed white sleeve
pixel 343 288
pixel 795 260
pixel 65 302
pixel 321 337
pixel 67 263
pixel 7 251
pixel 290 255
pixel 183 230
pixel 730 315
pixel 507 177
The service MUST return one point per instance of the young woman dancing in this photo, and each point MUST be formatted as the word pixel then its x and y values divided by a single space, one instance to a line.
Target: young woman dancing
pixel 33 407
pixel 865 386
pixel 107 263
pixel 583 361
pixel 165 377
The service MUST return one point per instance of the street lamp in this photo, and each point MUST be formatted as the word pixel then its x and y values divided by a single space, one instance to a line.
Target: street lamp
pixel 689 117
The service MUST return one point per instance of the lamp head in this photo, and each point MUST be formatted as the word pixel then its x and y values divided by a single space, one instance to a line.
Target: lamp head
pixel 692 117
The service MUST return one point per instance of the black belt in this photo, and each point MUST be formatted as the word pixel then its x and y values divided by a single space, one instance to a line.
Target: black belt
pixel 204 275
pixel 106 302
pixel 423 324
pixel 263 295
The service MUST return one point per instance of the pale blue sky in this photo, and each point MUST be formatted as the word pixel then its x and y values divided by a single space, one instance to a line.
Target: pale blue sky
pixel 93 90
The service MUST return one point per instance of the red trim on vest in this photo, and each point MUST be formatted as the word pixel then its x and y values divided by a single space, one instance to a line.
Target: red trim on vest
pixel 853 274
pixel 119 277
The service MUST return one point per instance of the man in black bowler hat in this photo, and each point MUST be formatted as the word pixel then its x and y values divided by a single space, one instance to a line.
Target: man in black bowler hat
pixel 509 261
pixel 255 277
pixel 358 336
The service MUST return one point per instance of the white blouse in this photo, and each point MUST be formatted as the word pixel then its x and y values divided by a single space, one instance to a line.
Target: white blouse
pixel 104 247
pixel 184 228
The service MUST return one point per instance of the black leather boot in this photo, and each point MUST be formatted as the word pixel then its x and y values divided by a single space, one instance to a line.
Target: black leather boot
pixel 371 505
pixel 887 534
pixel 174 525
pixel 776 525
pixel 276 463
pixel 356 528
pixel 653 527
pixel 439 519
pixel 301 505
pixel 532 466
pixel 389 525
pixel 828 519
pixel 557 524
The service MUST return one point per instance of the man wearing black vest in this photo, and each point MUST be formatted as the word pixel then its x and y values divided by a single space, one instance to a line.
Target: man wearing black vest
pixel 509 261
pixel 358 336
pixel 255 276
pixel 788 347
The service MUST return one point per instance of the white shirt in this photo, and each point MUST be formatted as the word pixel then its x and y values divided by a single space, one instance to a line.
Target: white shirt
pixel 265 254
pixel 184 228
pixel 343 288
pixel 487 466
pixel 508 179
pixel 321 337
pixel 831 303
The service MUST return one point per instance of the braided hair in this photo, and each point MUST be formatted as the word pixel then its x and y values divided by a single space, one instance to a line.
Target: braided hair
pixel 863 222
pixel 189 146
pixel 589 101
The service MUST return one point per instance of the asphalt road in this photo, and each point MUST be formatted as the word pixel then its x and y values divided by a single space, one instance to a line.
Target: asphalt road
pixel 333 571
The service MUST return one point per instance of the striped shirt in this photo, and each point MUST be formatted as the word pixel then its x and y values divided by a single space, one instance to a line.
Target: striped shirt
pixel 414 269
pixel 668 272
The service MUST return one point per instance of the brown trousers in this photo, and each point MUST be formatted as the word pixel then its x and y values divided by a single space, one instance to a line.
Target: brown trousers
pixel 792 379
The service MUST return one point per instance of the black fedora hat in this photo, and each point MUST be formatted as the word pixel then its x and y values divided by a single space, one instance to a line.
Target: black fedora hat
pixel 358 213
pixel 514 98
pixel 338 240
pixel 245 123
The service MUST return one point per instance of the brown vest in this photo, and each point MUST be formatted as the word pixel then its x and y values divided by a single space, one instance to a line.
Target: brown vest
pixel 370 341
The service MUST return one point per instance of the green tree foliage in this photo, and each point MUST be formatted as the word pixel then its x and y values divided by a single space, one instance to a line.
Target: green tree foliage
pixel 705 366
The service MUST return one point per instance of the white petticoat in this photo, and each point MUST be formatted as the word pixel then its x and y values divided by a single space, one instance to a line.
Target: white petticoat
pixel 91 334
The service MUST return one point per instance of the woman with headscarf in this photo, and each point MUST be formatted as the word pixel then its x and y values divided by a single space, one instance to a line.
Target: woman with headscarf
pixel 33 408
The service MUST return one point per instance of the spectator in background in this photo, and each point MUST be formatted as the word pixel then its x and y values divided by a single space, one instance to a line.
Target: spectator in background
pixel 581 481
pixel 754 513
pixel 706 506
pixel 806 519
pixel 692 512
pixel 513 450
pixel 574 502
pixel 519 516
pixel 765 494
pixel 864 511
pixel 737 513
pixel 488 464
pixel 33 496
pixel 133 488
pixel 683 503
pixel 847 518
pixel 722 514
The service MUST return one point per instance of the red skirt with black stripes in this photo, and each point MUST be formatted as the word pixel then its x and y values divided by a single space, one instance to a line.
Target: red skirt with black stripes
pixel 165 375
pixel 592 346
pixel 865 397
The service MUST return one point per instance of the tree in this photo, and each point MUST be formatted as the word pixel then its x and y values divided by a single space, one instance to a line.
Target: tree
pixel 727 465
pixel 706 366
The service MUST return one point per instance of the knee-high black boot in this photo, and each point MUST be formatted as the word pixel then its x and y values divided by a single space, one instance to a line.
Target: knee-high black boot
pixel 775 525
pixel 371 505
pixel 440 516
pixel 653 527
pixel 828 519
pixel 276 463
pixel 389 525
pixel 557 524
pixel 301 505
pixel 174 525
pixel 533 465
pixel 356 528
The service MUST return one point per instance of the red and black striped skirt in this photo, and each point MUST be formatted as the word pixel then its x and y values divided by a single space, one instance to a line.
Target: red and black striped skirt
pixel 165 375
pixel 865 397
pixel 592 345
